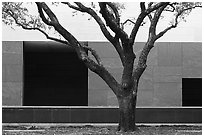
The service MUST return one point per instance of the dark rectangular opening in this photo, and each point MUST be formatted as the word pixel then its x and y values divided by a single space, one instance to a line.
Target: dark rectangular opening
pixel 192 92
pixel 53 76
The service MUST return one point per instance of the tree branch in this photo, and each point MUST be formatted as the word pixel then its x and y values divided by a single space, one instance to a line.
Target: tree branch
pixel 110 21
pixel 141 18
pixel 118 47
pixel 94 53
pixel 61 30
pixel 12 14
pixel 142 6
pixel 176 21
pixel 49 12
pixel 155 19
pixel 150 4
pixel 141 65
pixel 149 15
pixel 102 72
pixel 46 21
pixel 54 22
pixel 173 8
pixel 72 6
pixel 117 16
pixel 127 21
pixel 91 12
pixel 109 79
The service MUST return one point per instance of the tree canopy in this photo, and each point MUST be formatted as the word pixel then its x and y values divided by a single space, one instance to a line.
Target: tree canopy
pixel 17 13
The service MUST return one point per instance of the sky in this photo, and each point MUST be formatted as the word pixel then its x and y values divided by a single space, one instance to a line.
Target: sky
pixel 88 30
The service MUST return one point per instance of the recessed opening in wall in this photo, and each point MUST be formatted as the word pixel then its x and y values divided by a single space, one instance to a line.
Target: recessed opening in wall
pixel 53 76
pixel 191 92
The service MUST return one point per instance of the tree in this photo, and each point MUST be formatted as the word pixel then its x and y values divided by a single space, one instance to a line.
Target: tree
pixel 112 28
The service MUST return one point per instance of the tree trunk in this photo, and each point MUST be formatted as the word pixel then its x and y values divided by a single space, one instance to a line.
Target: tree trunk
pixel 127 113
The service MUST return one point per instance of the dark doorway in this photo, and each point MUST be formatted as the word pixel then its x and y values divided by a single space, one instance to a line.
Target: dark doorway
pixel 192 92
pixel 53 76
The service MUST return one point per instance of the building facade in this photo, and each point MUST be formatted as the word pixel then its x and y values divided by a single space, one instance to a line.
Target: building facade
pixel 44 74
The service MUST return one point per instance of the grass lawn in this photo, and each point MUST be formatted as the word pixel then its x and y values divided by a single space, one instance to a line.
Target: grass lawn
pixel 100 130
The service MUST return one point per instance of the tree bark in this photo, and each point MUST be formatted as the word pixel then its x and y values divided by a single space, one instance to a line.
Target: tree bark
pixel 127 113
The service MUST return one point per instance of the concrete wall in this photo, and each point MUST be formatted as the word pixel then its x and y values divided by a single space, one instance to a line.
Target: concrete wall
pixel 160 85
pixel 12 73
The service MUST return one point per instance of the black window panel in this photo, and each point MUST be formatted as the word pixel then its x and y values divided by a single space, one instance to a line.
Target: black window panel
pixel 192 92
pixel 53 76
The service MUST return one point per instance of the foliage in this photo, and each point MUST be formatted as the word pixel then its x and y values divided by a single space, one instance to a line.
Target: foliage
pixel 19 11
pixel 11 10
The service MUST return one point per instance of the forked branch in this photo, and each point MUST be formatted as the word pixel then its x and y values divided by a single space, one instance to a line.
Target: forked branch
pixel 114 40
pixel 94 53
pixel 141 17
pixel 80 7
pixel 111 22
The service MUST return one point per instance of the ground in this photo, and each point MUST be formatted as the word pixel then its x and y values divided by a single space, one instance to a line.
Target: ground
pixel 100 130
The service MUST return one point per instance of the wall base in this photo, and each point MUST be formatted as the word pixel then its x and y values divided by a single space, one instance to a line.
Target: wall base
pixel 98 115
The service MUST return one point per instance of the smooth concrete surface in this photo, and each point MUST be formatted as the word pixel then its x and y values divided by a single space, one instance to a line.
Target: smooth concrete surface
pixel 167 94
pixel 12 73
pixel 169 54
pixel 192 60
pixel 98 115
pixel 12 93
